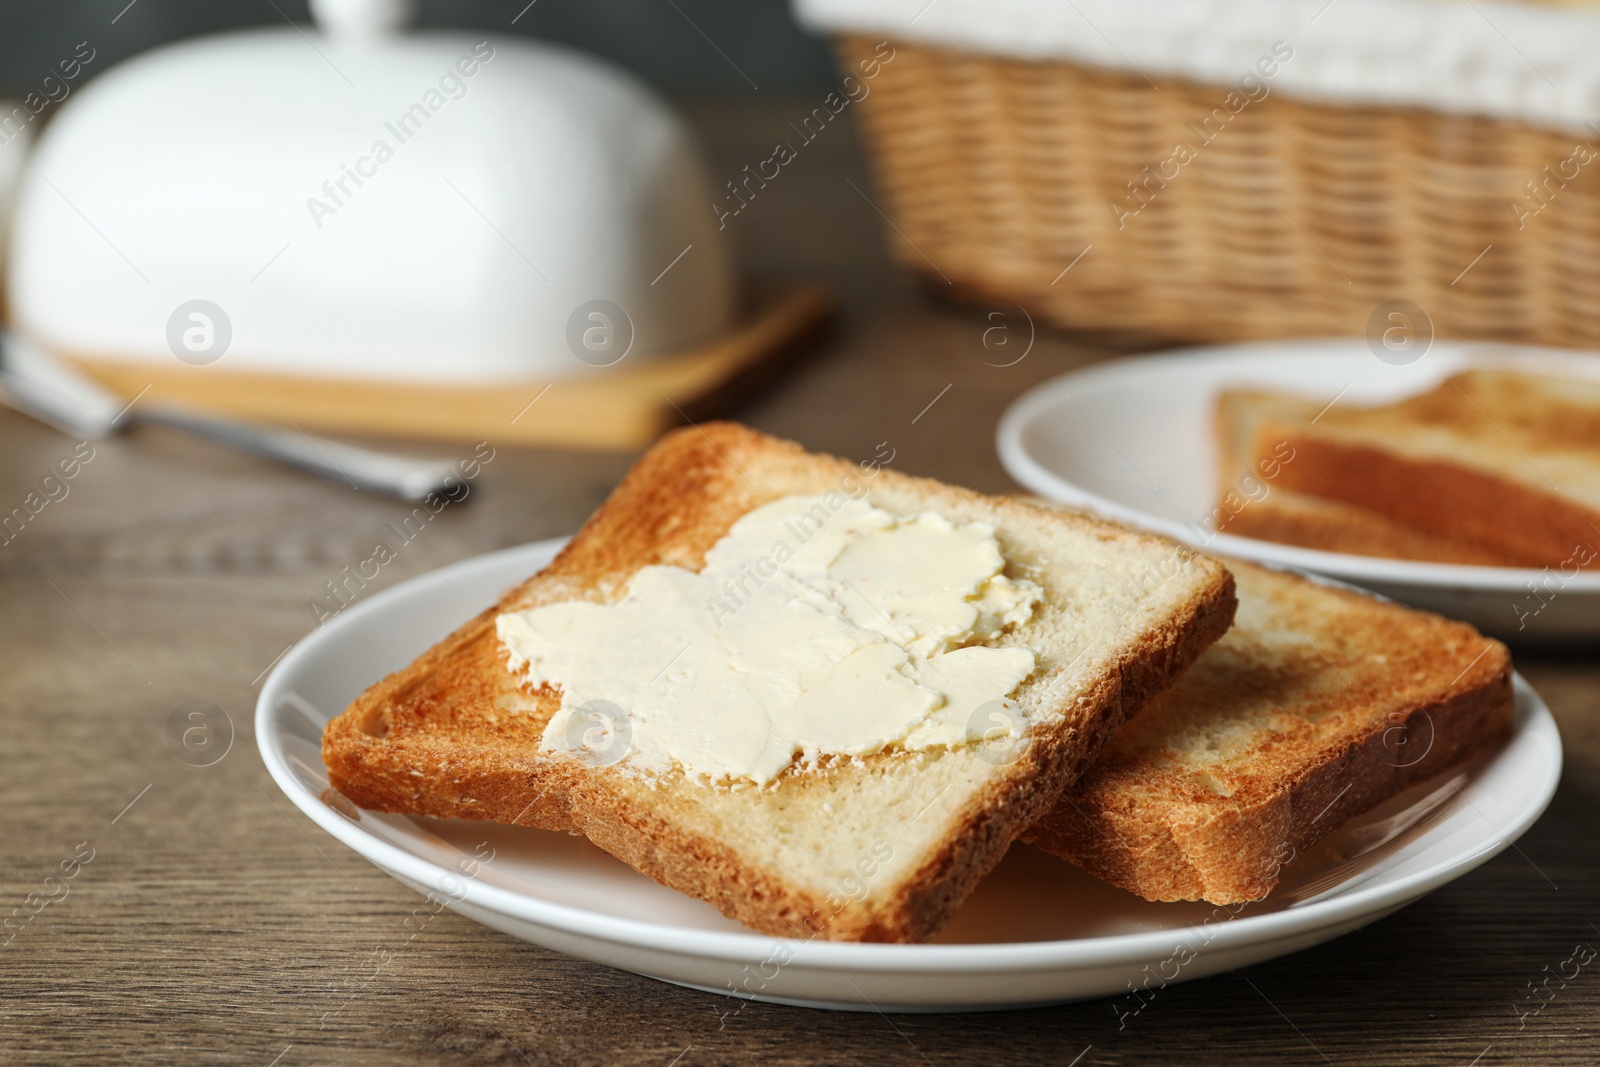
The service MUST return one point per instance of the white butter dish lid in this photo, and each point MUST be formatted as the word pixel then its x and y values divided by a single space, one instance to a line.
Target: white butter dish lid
pixel 431 207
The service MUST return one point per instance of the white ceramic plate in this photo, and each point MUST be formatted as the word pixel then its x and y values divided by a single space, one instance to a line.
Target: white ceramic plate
pixel 1132 439
pixel 1037 930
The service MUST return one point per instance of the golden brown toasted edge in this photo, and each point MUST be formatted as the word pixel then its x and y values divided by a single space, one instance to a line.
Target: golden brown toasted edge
pixel 1377 500
pixel 1358 456
pixel 1538 412
pixel 1523 524
pixel 1290 518
pixel 453 735
pixel 1230 853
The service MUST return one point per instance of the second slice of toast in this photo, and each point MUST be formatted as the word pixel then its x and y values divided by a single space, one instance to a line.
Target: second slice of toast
pixel 1291 518
pixel 1319 704
pixel 1506 461
pixel 881 846
pixel 1256 433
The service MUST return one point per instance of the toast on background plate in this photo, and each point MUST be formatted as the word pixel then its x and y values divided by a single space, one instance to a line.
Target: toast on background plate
pixel 871 845
pixel 1506 461
pixel 1254 430
pixel 1318 705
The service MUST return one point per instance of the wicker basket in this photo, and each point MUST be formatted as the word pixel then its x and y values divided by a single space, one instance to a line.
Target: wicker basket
pixel 1297 219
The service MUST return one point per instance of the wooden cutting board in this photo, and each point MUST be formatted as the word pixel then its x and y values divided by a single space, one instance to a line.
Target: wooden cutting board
pixel 620 408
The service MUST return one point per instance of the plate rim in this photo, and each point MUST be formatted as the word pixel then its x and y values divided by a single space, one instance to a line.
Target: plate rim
pixel 1035 475
pixel 1537 728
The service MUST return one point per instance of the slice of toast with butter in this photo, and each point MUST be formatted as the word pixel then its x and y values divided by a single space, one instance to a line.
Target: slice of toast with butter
pixel 1319 704
pixel 823 696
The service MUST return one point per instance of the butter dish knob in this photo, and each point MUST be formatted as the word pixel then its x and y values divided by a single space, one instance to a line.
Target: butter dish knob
pixel 362 20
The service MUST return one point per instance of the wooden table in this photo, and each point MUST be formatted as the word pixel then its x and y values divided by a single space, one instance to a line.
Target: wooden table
pixel 214 923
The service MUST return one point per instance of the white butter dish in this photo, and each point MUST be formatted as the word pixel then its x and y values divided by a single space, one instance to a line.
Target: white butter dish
pixel 362 204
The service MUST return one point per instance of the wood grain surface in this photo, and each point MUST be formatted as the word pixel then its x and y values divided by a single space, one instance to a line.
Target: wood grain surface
pixel 215 924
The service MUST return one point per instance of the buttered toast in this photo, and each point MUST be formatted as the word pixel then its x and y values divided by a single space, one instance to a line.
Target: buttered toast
pixel 1319 704
pixel 880 845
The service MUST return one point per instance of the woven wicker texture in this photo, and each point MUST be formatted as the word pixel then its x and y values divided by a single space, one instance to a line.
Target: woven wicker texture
pixel 1293 218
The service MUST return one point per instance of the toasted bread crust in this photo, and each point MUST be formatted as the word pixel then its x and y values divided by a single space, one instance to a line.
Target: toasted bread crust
pixel 1132 823
pixel 455 735
pixel 1453 474
pixel 1313 522
pixel 1438 497
pixel 1260 438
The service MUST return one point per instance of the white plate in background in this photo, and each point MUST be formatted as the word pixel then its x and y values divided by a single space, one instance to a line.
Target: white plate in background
pixel 1132 439
pixel 1037 931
